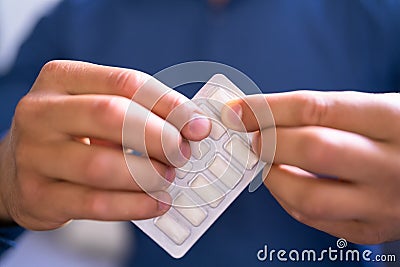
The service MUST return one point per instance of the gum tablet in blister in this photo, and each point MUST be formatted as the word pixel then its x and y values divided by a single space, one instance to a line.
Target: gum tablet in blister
pixel 220 168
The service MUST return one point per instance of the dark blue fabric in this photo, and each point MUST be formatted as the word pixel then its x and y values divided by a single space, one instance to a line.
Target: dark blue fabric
pixel 7 237
pixel 281 44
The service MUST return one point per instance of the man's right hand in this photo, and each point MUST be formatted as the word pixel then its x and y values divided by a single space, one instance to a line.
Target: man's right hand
pixel 50 174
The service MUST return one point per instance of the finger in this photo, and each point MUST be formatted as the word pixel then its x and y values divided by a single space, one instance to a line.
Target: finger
pixel 76 78
pixel 326 151
pixel 71 201
pixel 159 139
pixel 101 167
pixel 175 108
pixel 319 199
pixel 351 230
pixel 104 117
pixel 366 114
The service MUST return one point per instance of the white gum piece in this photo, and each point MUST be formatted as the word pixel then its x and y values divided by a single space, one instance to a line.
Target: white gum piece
pixel 241 152
pixel 175 231
pixel 188 209
pixel 206 191
pixel 227 175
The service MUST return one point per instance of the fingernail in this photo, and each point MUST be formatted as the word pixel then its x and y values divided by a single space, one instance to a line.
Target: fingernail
pixel 231 115
pixel 170 174
pixel 164 201
pixel 199 124
pixel 163 206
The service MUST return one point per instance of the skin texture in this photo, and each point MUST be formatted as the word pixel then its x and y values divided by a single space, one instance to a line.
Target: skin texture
pixel 352 138
pixel 62 158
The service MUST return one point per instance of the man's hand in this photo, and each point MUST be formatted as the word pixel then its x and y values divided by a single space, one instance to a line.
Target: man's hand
pixel 351 139
pixel 63 158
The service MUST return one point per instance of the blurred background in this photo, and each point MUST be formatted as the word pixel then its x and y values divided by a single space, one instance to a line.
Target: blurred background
pixel 80 243
pixel 17 19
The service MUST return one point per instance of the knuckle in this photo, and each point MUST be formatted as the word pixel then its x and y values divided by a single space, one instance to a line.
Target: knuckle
pixel 314 108
pixel 96 168
pixel 24 110
pixel 51 67
pixel 317 147
pixel 96 205
pixel 108 112
pixel 32 108
pixel 54 68
pixel 126 82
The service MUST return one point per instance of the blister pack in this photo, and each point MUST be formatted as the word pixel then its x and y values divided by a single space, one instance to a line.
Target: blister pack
pixel 220 168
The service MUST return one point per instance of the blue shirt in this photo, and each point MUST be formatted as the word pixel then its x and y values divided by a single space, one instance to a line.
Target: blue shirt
pixel 281 44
